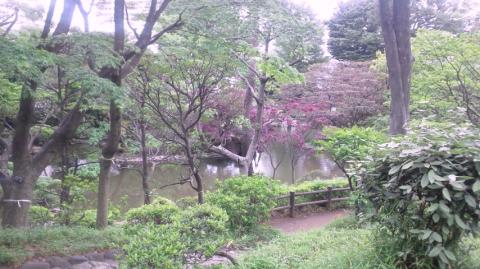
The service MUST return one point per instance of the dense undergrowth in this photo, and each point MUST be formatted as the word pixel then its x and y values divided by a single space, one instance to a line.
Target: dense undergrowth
pixel 19 245
pixel 342 244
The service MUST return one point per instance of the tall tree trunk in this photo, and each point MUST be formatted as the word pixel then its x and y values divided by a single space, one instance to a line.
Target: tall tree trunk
pixel 66 18
pixel 394 17
pixel 48 20
pixel 110 147
pixel 108 152
pixel 145 172
pixel 193 168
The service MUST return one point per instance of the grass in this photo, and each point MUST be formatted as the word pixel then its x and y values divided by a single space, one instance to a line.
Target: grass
pixel 259 235
pixel 20 245
pixel 342 244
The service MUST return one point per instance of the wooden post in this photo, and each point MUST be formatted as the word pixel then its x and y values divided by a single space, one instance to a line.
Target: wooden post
pixel 292 204
pixel 329 197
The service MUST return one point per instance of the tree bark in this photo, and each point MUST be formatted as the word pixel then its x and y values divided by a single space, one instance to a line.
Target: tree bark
pixel 394 18
pixel 145 172
pixel 66 18
pixel 48 20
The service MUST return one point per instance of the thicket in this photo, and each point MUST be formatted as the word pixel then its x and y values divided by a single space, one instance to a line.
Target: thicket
pixel 425 189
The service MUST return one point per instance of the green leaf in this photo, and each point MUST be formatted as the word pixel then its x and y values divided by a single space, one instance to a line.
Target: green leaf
pixel 426 235
pixel 436 218
pixel 406 188
pixel 476 186
pixel 446 194
pixel 444 208
pixel 449 255
pixel 436 237
pixel 394 170
pixel 460 222
pixel 470 200
pixel 458 185
pixel 424 183
pixel 407 165
pixel 435 251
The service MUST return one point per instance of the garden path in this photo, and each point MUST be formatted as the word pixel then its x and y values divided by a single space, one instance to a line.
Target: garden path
pixel 306 222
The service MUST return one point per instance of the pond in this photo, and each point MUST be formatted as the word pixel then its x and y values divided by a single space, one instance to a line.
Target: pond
pixel 126 185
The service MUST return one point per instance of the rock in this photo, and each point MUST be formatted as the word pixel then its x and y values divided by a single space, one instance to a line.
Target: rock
pixel 59 262
pixel 112 263
pixel 98 257
pixel 101 265
pixel 111 254
pixel 84 265
pixel 77 259
pixel 35 265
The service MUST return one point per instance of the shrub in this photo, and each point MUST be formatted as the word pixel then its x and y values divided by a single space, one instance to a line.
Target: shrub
pixel 155 246
pixel 426 192
pixel 89 217
pixel 39 215
pixel 153 213
pixel 187 202
pixel 247 200
pixel 20 245
pixel 349 146
pixel 203 228
pixel 162 201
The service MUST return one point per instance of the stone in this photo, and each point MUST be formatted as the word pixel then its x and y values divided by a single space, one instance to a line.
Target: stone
pixel 77 259
pixel 101 265
pixel 112 263
pixel 84 265
pixel 111 254
pixel 56 261
pixel 35 265
pixel 98 257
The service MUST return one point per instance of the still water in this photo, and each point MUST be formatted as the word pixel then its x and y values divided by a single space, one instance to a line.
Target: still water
pixel 126 185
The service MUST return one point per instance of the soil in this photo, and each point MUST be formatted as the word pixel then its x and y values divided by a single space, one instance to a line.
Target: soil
pixel 306 221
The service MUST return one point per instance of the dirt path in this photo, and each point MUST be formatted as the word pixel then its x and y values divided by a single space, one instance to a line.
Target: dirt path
pixel 306 222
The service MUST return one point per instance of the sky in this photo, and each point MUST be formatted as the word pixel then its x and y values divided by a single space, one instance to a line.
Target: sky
pixel 324 9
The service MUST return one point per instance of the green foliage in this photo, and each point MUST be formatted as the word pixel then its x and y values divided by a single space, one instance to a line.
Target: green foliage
pixel 22 62
pixel 20 245
pixel 187 202
pixel 426 191
pixel 354 31
pixel 88 218
pixel 154 213
pixel 349 144
pixel 39 215
pixel 326 248
pixel 46 191
pixel 203 229
pixel 280 70
pixel 155 246
pixel 349 147
pixel 162 201
pixel 247 200
pixel 446 75
pixel 9 96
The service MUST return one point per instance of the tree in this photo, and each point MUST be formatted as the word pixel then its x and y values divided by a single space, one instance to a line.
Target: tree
pixel 354 31
pixel 26 63
pixel 395 22
pixel 182 94
pixel 130 56
pixel 446 15
pixel 447 74
pixel 302 47
pixel 270 20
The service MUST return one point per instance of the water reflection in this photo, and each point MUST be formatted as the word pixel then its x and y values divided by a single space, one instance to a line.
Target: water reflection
pixel 126 187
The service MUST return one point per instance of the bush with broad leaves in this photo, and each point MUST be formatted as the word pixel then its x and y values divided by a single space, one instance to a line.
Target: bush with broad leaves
pixel 426 192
